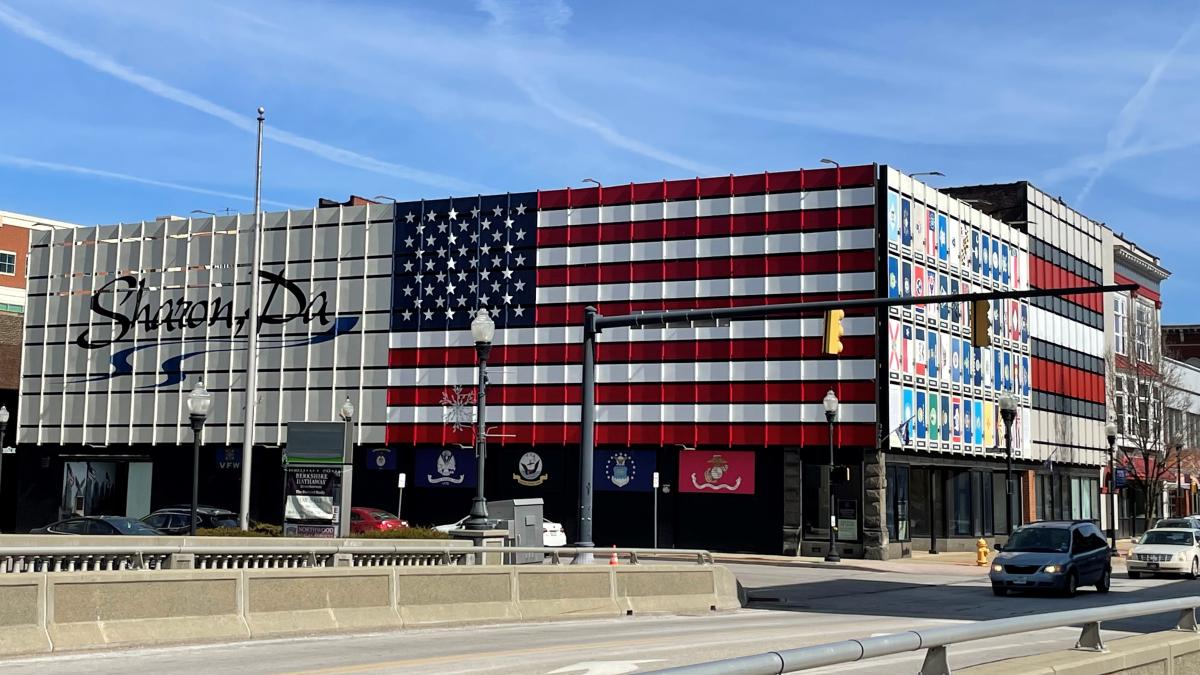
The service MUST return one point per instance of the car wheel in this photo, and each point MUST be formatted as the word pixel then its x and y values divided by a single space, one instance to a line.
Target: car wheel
pixel 999 590
pixel 1135 575
pixel 1195 569
pixel 1105 580
pixel 1072 584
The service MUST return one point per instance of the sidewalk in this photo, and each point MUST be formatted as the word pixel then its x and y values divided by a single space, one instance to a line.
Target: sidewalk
pixel 921 562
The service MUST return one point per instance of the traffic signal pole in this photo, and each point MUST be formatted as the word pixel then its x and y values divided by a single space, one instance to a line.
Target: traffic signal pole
pixel 594 323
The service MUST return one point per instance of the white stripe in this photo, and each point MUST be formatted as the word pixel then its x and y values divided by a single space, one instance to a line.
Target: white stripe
pixel 737 330
pixel 707 288
pixel 709 206
pixel 720 413
pixel 684 371
pixel 1059 330
pixel 707 247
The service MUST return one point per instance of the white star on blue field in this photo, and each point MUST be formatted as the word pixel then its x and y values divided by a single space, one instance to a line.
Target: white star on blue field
pixel 123 111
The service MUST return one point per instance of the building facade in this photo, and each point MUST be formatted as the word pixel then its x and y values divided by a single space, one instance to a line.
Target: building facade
pixel 373 302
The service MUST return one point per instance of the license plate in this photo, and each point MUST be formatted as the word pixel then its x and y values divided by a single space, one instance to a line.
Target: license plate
pixel 1020 582
pixel 1153 566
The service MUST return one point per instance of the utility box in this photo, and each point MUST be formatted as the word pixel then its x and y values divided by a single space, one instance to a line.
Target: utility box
pixel 524 518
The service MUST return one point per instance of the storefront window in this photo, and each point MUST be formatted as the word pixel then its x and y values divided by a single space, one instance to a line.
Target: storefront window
pixel 961 494
pixel 897 502
pixel 816 502
pixel 918 502
pixel 1076 498
pixel 988 484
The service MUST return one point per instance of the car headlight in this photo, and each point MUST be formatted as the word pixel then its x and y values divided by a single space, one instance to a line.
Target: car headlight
pixel 1181 555
pixel 997 568
pixel 1052 569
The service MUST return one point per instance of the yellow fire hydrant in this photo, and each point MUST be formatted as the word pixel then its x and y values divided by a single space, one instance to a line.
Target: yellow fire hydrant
pixel 981 553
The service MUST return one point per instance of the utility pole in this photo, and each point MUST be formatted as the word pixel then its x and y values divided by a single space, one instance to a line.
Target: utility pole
pixel 252 338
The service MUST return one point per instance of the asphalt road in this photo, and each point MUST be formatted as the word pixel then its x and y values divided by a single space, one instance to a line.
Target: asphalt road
pixel 794 607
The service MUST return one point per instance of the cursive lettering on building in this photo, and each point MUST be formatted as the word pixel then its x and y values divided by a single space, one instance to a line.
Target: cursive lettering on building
pixel 285 302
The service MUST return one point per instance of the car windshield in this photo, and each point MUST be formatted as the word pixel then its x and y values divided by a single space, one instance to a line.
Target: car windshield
pixel 382 515
pixel 1174 522
pixel 1168 538
pixel 131 526
pixel 1049 539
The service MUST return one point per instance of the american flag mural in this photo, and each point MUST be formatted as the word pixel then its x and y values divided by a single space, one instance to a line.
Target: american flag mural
pixel 534 260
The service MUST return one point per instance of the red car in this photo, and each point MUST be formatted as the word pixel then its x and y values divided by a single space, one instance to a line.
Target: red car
pixel 364 519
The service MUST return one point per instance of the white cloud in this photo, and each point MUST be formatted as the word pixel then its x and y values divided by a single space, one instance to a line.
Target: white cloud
pixel 27 27
pixel 1130 117
pixel 36 164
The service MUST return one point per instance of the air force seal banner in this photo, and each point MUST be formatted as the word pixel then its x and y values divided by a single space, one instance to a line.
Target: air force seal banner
pixel 624 470
pixel 716 472
pixel 451 467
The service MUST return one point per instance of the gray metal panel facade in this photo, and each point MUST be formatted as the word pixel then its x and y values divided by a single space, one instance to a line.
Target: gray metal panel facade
pixel 124 319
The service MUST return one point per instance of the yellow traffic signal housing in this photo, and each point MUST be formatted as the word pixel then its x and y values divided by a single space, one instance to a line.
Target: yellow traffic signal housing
pixel 981 325
pixel 834 331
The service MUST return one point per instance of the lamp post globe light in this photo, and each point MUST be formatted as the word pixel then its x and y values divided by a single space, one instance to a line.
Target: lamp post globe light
pixel 1110 431
pixel 1008 412
pixel 830 402
pixel 347 410
pixel 483 329
pixel 3 423
pixel 199 401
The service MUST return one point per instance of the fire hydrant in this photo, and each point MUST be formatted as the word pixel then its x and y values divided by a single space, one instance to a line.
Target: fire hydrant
pixel 981 553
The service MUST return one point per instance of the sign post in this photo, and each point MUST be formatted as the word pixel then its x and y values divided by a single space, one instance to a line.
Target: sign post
pixel 654 484
pixel 400 484
pixel 319 478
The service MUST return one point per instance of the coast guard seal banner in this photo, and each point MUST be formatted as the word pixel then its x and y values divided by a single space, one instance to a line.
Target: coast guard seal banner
pixel 716 472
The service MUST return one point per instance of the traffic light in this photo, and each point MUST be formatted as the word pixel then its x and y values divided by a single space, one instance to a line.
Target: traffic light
pixel 834 331
pixel 981 325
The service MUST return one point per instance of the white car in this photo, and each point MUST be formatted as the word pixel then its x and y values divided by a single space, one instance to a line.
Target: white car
pixel 1173 550
pixel 552 532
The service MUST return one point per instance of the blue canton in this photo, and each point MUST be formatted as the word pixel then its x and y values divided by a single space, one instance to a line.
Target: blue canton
pixel 456 255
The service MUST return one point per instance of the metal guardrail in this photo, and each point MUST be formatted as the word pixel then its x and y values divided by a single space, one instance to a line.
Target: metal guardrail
pixel 14 560
pixel 938 638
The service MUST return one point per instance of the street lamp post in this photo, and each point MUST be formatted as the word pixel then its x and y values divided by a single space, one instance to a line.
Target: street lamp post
pixel 831 410
pixel 198 402
pixel 483 329
pixel 1008 411
pixel 1178 478
pixel 1110 430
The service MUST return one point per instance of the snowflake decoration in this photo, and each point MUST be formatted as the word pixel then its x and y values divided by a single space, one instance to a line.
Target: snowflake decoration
pixel 458 409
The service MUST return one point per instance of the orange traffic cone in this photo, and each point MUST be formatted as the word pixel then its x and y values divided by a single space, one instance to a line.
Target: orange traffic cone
pixel 612 560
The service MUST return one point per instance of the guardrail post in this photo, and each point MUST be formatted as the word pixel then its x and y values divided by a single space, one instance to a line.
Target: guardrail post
pixel 1089 639
pixel 633 559
pixel 935 662
pixel 1187 620
pixel 181 561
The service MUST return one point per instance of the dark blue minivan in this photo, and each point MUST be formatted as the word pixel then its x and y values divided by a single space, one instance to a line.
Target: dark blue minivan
pixel 1053 555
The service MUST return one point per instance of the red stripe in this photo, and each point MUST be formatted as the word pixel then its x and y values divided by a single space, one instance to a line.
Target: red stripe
pixel 691 435
pixel 723 186
pixel 861 391
pixel 789 264
pixel 754 349
pixel 712 226
pixel 1064 380
pixel 572 314
pixel 1142 291
pixel 1045 274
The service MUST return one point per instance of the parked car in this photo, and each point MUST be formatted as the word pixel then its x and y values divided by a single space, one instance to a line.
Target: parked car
pixel 1052 555
pixel 552 532
pixel 174 520
pixel 1173 550
pixel 363 519
pixel 111 525
pixel 1187 522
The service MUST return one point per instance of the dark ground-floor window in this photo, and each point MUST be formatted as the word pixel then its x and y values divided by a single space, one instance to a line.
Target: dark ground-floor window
pixel 897 502
pixel 961 498
pixel 918 502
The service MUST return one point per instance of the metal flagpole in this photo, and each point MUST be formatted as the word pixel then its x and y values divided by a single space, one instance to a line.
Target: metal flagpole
pixel 252 339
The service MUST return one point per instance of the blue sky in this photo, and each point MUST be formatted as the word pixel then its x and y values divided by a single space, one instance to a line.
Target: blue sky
pixel 128 110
